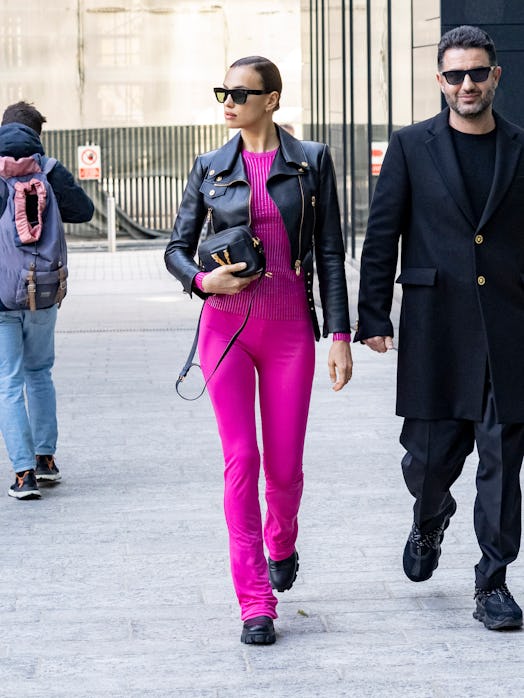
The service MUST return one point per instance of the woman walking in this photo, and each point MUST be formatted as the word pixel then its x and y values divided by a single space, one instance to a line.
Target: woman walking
pixel 285 190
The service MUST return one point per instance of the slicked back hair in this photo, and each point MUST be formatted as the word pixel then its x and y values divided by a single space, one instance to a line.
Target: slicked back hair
pixel 466 36
pixel 268 71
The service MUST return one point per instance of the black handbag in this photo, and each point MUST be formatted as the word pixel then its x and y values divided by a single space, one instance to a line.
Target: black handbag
pixel 236 244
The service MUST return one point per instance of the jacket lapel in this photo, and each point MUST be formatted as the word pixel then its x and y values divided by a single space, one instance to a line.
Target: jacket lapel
pixel 226 160
pixel 507 156
pixel 291 158
pixel 442 151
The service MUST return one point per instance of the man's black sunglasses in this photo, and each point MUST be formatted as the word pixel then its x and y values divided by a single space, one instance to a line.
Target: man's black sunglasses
pixel 238 95
pixel 456 77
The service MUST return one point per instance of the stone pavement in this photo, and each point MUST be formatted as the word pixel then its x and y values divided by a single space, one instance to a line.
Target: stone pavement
pixel 116 583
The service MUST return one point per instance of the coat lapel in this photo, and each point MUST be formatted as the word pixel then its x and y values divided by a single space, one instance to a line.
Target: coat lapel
pixel 442 151
pixel 507 156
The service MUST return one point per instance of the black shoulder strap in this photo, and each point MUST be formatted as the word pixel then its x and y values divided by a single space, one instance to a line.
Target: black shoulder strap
pixel 189 362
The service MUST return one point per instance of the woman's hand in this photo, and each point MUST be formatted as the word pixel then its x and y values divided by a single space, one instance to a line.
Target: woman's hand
pixel 340 364
pixel 221 280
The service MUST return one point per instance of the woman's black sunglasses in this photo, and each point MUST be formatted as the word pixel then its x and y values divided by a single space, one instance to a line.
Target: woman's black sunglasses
pixel 456 77
pixel 238 95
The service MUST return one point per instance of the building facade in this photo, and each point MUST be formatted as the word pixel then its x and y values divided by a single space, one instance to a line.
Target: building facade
pixel 137 76
pixel 134 63
pixel 369 68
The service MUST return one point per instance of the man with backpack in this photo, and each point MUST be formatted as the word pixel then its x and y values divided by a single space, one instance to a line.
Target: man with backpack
pixel 37 194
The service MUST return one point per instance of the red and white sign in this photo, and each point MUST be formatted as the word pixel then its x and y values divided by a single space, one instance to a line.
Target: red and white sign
pixel 89 162
pixel 378 150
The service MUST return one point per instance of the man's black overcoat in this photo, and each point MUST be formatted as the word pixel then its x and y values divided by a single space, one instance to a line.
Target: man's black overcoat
pixel 463 283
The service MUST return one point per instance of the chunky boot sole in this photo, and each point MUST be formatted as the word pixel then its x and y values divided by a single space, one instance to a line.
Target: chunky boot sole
pixel 497 623
pixel 257 638
pixel 258 631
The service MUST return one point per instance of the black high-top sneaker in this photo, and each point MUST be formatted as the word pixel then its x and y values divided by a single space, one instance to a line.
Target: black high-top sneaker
pixel 25 486
pixel 46 470
pixel 497 608
pixel 422 551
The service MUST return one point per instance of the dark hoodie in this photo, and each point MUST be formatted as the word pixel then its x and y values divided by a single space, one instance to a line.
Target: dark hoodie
pixel 19 141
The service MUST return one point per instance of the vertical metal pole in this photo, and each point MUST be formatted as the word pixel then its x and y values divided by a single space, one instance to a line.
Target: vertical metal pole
pixel 352 136
pixel 390 72
pixel 111 224
pixel 369 97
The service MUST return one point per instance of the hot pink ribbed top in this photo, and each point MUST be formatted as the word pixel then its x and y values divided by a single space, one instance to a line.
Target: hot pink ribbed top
pixel 280 296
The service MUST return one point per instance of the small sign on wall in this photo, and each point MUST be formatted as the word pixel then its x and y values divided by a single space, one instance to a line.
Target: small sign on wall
pixel 89 162
pixel 378 150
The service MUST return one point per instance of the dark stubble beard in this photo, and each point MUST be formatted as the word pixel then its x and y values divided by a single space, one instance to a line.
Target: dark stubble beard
pixel 471 111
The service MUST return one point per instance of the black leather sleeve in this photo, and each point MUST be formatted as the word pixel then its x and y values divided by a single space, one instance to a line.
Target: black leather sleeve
pixel 181 249
pixel 329 251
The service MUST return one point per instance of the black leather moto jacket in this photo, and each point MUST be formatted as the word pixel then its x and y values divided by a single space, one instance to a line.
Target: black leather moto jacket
pixel 302 184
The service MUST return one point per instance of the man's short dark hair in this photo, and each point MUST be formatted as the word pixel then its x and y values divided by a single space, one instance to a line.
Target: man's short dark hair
pixel 466 36
pixel 24 113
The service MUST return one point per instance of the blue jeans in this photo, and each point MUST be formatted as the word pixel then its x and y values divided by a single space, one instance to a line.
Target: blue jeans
pixel 27 355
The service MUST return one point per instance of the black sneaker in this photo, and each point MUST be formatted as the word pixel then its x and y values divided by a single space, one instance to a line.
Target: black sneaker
pixel 422 550
pixel 282 573
pixel 46 470
pixel 497 609
pixel 258 631
pixel 25 486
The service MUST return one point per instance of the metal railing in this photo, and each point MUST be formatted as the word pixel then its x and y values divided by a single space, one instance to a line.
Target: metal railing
pixel 144 168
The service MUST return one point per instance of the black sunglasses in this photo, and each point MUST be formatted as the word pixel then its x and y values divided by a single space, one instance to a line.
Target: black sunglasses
pixel 238 95
pixel 455 77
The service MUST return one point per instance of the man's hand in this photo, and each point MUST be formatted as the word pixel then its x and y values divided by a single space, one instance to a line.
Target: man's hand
pixel 221 279
pixel 340 364
pixel 380 344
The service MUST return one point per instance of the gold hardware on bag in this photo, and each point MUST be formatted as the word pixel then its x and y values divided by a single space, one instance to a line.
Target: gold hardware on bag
pixel 219 260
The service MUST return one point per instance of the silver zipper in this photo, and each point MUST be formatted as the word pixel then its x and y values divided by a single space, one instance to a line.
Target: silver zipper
pixel 298 262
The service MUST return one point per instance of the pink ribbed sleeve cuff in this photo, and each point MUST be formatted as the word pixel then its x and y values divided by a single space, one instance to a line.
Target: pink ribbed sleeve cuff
pixel 341 337
pixel 198 280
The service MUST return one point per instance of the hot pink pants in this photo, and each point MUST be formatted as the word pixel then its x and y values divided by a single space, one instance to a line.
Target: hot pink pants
pixel 282 353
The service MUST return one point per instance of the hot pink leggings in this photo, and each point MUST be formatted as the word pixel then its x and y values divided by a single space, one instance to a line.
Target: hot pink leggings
pixel 283 355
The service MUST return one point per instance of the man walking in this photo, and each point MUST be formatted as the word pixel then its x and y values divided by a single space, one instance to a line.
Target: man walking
pixel 452 188
pixel 27 336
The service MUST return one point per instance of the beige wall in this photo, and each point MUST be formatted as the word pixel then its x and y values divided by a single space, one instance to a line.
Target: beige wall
pixel 87 63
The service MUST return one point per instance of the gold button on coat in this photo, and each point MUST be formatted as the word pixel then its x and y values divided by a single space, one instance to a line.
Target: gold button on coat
pixel 479 239
pixel 481 280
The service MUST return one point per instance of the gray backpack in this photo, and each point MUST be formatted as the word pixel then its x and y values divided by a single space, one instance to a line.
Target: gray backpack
pixel 33 251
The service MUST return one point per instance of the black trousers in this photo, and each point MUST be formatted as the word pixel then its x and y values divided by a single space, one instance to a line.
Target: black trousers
pixel 436 451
